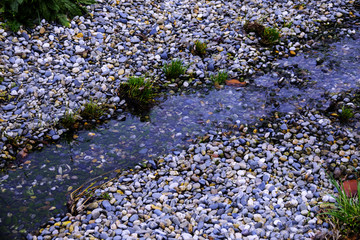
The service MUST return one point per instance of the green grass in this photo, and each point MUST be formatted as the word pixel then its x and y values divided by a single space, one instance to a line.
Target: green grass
pixel 91 111
pixel 345 114
pixel 5 96
pixel 219 78
pixel 288 25
pixel 200 48
pixel 174 69
pixel 105 196
pixel 270 36
pixel 68 120
pixel 30 12
pixel 345 212
pixel 137 91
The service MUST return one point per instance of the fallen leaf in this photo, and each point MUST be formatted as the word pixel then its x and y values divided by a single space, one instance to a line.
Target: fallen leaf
pixel 235 83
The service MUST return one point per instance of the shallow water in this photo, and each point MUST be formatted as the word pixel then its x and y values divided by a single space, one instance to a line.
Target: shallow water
pixel 45 179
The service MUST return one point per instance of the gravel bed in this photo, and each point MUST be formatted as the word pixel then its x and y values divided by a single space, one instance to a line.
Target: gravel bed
pixel 263 183
pixel 52 69
pixel 266 184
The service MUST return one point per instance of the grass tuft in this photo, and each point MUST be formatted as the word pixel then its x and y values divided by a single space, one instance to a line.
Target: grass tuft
pixel 219 78
pixel 68 121
pixel 345 114
pixel 269 36
pixel 174 69
pixel 345 212
pixel 137 91
pixel 200 48
pixel 91 111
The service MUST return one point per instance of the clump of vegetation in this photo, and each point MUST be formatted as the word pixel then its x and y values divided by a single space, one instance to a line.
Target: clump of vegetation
pixel 137 91
pixel 174 69
pixel 105 196
pixel 4 96
pixel 30 12
pixel 345 212
pixel 219 78
pixel 200 48
pixel 69 120
pixel 345 114
pixel 269 36
pixel 91 111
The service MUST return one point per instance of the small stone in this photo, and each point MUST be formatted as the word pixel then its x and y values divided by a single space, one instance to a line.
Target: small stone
pixel 122 60
pixel 75 70
pixel 9 107
pixel 134 40
pixel 96 213
pixel 55 137
pixel 283 126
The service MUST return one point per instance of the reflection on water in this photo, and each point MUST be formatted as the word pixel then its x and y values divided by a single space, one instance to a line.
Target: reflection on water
pixel 36 191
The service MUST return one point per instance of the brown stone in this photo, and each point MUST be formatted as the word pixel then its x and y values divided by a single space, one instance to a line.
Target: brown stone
pixel 42 30
pixel 235 83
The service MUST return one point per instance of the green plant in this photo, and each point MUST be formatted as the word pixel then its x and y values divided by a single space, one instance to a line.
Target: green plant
pixel 69 120
pixel 91 111
pixel 200 48
pixel 5 96
pixel 30 12
pixel 345 212
pixel 270 36
pixel 137 91
pixel 288 25
pixel 105 195
pixel 220 77
pixel 345 114
pixel 174 69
